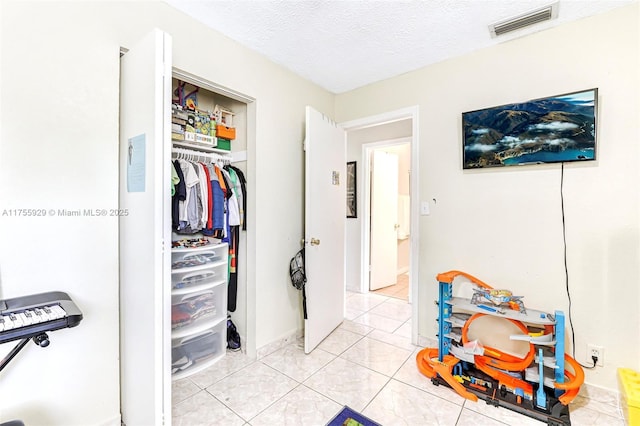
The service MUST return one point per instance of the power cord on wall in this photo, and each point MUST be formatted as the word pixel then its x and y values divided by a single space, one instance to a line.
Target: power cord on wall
pixel 566 273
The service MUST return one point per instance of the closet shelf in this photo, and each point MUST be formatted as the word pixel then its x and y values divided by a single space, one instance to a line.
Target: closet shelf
pixel 201 148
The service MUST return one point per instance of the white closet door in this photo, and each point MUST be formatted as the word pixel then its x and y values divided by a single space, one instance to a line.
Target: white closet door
pixel 325 216
pixel 145 231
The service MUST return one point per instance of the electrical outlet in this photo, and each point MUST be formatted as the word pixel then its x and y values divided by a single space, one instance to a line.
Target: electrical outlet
pixel 597 351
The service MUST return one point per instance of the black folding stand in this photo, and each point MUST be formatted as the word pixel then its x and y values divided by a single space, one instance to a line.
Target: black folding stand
pixel 41 340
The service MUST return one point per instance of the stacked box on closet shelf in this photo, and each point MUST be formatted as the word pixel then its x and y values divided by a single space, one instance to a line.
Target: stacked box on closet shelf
pixel 178 122
pixel 193 126
pixel 224 127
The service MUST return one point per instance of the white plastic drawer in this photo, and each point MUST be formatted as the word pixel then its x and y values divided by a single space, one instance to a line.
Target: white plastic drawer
pixel 191 352
pixel 205 255
pixel 198 278
pixel 191 312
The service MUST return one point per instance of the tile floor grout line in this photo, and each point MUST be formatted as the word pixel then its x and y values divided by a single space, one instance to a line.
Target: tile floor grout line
pixel 224 376
pixel 420 389
pixel 225 405
pixel 376 395
pixel 324 396
pixel 261 411
pixel 348 347
pixel 312 373
pixel 187 397
pixel 276 401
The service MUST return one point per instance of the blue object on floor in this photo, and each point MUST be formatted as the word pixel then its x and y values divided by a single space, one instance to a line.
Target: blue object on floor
pixel 12 423
pixel 347 413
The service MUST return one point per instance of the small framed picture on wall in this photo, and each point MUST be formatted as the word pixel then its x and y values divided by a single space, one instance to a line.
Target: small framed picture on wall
pixel 352 204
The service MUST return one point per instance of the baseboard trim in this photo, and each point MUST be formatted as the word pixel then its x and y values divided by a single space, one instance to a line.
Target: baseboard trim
pixel 114 421
pixel 283 341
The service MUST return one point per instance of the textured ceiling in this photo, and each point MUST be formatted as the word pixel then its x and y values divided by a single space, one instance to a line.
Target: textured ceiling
pixel 342 45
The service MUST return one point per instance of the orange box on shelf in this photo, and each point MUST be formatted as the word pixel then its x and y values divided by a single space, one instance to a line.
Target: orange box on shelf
pixel 225 132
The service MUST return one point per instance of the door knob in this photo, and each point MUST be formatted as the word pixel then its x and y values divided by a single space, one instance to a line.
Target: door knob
pixel 315 242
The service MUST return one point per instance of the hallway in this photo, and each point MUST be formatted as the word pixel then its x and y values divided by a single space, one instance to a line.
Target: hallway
pixel 400 290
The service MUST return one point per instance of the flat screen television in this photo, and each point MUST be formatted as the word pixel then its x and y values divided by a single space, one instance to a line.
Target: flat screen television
pixel 556 129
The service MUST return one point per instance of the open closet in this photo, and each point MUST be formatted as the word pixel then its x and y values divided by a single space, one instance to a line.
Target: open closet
pixel 206 125
pixel 178 283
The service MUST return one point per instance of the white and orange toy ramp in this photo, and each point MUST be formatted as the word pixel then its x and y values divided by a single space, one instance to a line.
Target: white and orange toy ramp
pixel 540 381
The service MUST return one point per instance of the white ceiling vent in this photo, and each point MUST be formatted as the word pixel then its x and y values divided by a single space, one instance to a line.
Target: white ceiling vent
pixel 525 20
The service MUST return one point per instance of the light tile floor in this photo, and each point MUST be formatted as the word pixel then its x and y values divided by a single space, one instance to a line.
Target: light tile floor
pixel 399 290
pixel 368 363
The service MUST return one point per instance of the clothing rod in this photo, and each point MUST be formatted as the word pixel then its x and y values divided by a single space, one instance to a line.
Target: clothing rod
pixel 201 155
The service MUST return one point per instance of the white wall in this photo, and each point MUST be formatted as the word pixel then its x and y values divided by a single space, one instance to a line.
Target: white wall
pixel 59 149
pixel 504 226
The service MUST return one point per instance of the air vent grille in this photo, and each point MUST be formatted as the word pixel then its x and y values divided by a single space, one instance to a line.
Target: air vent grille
pixel 531 18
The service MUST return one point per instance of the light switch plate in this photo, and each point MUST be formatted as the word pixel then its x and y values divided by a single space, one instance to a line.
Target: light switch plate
pixel 424 208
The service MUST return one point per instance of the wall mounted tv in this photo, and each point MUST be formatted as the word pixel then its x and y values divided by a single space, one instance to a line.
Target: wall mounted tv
pixel 556 129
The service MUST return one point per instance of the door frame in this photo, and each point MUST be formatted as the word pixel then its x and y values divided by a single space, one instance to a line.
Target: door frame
pixel 376 120
pixel 247 321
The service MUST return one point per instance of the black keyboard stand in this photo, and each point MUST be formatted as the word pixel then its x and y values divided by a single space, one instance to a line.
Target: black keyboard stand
pixel 41 340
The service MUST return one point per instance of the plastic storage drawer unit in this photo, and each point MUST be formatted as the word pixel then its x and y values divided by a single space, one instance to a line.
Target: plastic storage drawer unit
pixel 189 311
pixel 629 381
pixel 190 257
pixel 199 277
pixel 196 352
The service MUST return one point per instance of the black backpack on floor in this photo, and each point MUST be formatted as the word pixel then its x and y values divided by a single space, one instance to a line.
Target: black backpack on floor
pixel 233 338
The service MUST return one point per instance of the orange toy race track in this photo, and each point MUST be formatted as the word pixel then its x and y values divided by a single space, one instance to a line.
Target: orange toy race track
pixel 536 385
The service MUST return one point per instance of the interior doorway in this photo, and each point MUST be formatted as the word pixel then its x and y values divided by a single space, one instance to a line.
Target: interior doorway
pixel 389 215
pixel 398 127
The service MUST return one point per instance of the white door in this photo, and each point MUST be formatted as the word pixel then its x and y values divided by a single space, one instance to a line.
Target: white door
pixel 145 231
pixel 384 219
pixel 325 216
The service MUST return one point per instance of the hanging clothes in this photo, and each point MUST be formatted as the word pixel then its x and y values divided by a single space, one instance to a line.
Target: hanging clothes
pixel 235 220
pixel 180 195
pixel 232 291
pixel 211 199
pixel 209 219
pixel 174 179
pixel 188 209
pixel 233 211
pixel 243 202
pixel 203 184
pixel 192 202
pixel 226 189
pixel 215 227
